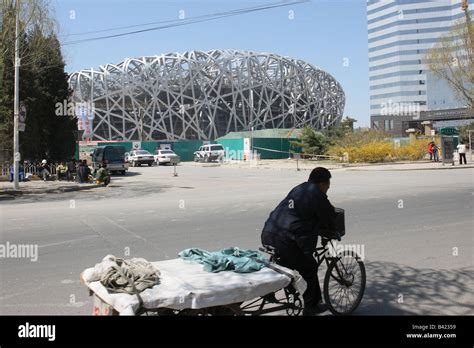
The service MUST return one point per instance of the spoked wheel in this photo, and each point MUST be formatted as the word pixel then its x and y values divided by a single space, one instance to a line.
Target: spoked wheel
pixel 295 305
pixel 295 308
pixel 344 283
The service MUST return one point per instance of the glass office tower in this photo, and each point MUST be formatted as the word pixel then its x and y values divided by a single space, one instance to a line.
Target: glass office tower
pixel 400 32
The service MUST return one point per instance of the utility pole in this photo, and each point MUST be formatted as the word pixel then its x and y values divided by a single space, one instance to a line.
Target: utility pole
pixel 16 142
pixel 140 116
pixel 251 121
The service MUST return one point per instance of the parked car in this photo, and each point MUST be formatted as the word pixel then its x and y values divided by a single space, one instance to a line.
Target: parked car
pixel 138 157
pixel 166 157
pixel 113 156
pixel 208 153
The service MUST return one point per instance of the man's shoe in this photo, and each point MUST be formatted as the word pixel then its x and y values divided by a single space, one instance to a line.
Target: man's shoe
pixel 317 309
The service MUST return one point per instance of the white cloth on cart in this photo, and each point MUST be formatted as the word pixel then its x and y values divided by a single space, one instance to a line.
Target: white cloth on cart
pixel 185 284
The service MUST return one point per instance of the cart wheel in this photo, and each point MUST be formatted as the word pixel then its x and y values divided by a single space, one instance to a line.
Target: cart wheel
pixel 295 306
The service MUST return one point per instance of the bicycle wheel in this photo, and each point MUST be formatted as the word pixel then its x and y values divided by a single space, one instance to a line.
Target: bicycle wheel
pixel 344 283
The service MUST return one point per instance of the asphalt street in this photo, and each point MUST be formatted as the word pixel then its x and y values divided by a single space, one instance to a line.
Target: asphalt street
pixel 416 228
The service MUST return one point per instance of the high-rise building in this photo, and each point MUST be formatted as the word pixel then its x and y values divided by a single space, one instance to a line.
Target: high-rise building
pixel 400 32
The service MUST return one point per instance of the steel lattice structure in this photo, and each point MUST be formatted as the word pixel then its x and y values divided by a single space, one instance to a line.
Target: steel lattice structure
pixel 204 95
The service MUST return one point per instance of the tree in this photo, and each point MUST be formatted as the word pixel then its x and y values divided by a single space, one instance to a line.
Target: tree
pixel 43 83
pixel 312 142
pixel 452 59
pixel 340 130
pixel 464 134
pixel 34 15
pixel 47 135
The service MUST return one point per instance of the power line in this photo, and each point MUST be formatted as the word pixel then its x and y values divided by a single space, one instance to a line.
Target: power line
pixel 166 21
pixel 177 23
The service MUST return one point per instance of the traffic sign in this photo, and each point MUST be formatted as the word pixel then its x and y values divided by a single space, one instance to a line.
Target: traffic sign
pixel 449 131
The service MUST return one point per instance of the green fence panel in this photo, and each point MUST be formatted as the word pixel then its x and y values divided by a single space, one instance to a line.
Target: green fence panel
pixel 234 148
pixel 275 144
pixel 185 149
pixel 149 146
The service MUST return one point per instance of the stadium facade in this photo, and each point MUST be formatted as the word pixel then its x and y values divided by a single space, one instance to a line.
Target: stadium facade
pixel 203 95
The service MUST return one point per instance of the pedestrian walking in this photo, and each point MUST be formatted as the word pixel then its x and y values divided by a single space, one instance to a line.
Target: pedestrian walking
pixel 430 150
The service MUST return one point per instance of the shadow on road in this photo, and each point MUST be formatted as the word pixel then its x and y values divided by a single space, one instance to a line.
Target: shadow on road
pixel 423 291
pixel 129 173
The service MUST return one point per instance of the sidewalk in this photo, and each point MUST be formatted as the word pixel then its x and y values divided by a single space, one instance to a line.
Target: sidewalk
pixel 403 166
pixel 309 165
pixel 39 186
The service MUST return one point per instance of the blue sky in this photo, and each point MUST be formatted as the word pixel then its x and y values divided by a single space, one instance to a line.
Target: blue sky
pixel 330 34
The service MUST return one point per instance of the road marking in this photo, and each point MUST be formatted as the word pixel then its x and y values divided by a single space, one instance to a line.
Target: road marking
pixel 67 281
pixel 98 233
pixel 15 294
pixel 126 230
pixel 67 241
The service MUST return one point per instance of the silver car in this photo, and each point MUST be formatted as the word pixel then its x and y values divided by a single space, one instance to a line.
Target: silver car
pixel 166 157
pixel 139 157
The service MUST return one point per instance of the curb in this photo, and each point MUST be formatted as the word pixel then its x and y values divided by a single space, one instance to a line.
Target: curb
pixel 52 190
pixel 407 169
pixel 362 167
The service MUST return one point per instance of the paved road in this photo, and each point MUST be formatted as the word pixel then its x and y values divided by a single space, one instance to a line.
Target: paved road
pixel 409 222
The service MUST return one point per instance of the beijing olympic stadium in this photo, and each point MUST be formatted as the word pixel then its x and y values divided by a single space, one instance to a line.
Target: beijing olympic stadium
pixel 205 95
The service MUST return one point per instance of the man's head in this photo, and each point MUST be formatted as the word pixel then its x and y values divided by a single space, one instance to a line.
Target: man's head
pixel 321 177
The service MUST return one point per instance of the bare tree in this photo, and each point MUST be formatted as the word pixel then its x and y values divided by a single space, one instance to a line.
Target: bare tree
pixel 35 15
pixel 452 59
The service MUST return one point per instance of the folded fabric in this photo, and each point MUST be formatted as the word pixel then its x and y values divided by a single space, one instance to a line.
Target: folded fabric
pixel 229 259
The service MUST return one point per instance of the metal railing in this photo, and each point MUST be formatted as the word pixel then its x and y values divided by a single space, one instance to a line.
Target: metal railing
pixel 33 169
pixel 307 156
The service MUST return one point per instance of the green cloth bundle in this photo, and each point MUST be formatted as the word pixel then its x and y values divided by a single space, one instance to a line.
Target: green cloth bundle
pixel 229 259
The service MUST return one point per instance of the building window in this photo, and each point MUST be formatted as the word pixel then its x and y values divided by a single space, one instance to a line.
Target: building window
pixel 376 124
pixel 388 125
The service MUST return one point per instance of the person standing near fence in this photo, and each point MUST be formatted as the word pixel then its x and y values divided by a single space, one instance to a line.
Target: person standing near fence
pixel 430 150
pixel 71 169
pixel 435 152
pixel 83 172
pixel 462 153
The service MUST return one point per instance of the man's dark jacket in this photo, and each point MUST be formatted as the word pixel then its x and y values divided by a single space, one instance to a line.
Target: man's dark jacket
pixel 300 215
pixel 83 173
